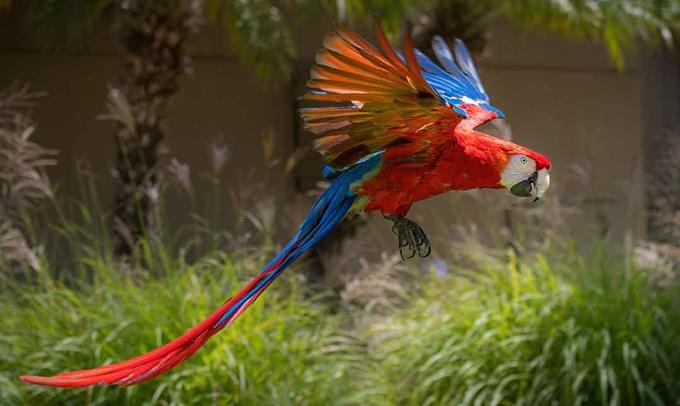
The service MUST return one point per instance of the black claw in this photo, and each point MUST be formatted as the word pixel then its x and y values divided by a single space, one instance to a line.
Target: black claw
pixel 411 238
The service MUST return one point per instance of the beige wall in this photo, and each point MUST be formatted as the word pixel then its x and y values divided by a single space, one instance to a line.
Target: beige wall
pixel 562 97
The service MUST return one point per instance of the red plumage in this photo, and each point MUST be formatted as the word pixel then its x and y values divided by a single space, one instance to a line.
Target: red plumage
pixel 147 366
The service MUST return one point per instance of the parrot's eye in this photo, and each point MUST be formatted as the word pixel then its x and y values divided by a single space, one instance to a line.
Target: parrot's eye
pixel 522 163
pixel 516 174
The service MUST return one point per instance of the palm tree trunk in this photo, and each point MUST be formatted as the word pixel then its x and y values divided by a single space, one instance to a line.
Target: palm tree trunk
pixel 153 34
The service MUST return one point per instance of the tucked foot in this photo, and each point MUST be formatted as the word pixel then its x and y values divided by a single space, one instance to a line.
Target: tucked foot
pixel 412 238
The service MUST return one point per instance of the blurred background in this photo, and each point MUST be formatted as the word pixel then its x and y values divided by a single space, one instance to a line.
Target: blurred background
pixel 152 160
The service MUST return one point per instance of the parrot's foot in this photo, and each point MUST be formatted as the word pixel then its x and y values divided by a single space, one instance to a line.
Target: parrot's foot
pixel 412 238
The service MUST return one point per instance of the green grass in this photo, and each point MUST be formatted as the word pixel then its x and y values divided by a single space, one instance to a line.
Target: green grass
pixel 274 355
pixel 556 327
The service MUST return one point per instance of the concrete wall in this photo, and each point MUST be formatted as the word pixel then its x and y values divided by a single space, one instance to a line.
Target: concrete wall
pixel 221 100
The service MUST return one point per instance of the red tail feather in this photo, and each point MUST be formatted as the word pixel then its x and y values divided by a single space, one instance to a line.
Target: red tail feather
pixel 329 209
pixel 147 366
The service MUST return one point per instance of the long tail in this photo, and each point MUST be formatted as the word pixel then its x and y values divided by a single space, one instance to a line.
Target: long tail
pixel 329 209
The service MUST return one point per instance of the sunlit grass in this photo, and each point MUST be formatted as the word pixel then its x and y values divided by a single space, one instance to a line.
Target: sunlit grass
pixel 555 328
pixel 273 355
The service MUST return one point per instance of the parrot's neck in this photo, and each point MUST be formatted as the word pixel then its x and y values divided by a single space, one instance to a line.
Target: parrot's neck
pixel 475 161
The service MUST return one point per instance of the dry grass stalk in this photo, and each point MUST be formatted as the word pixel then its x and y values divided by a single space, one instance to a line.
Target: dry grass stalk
pixel 663 189
pixel 23 181
pixel 660 255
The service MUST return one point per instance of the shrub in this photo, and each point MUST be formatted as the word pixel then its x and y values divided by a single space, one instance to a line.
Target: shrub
pixel 556 328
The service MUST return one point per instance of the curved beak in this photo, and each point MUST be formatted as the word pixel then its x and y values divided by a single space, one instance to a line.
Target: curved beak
pixel 542 184
pixel 535 185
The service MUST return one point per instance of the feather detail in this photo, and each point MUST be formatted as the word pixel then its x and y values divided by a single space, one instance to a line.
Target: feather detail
pixel 370 98
pixel 412 64
pixel 460 83
pixel 389 51
pixel 464 60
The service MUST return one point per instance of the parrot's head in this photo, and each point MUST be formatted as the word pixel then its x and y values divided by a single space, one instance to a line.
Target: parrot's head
pixel 526 173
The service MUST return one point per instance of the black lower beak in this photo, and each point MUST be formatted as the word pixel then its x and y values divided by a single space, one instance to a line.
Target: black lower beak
pixel 522 189
pixel 525 187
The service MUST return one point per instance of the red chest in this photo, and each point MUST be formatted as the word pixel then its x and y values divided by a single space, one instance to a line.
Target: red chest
pixel 399 183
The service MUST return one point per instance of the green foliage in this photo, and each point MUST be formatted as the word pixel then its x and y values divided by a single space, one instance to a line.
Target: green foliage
pixel 261 31
pixel 616 23
pixel 56 24
pixel 392 13
pixel 558 327
pixel 258 32
pixel 275 355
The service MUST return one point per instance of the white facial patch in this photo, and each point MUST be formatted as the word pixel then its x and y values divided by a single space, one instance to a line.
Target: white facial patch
pixel 519 168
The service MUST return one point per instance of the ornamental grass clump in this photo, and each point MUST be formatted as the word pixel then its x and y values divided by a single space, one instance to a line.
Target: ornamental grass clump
pixel 279 354
pixel 555 328
pixel 24 185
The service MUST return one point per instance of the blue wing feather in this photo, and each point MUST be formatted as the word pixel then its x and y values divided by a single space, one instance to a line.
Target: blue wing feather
pixel 443 54
pixel 467 65
pixel 458 83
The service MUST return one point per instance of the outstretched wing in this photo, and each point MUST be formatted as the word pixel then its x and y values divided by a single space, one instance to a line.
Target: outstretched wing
pixel 370 100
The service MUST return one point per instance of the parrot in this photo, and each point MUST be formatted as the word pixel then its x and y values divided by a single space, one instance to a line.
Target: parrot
pixel 393 128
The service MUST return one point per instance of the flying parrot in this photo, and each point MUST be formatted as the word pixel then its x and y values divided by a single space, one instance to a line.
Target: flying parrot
pixel 393 128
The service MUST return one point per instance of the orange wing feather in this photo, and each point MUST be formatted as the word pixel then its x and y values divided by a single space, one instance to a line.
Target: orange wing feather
pixel 370 100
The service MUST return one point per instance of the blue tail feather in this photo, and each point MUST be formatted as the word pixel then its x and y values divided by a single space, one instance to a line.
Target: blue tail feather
pixel 326 213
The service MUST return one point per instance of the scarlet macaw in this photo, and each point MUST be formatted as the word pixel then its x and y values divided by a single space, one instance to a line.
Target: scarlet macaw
pixel 394 129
